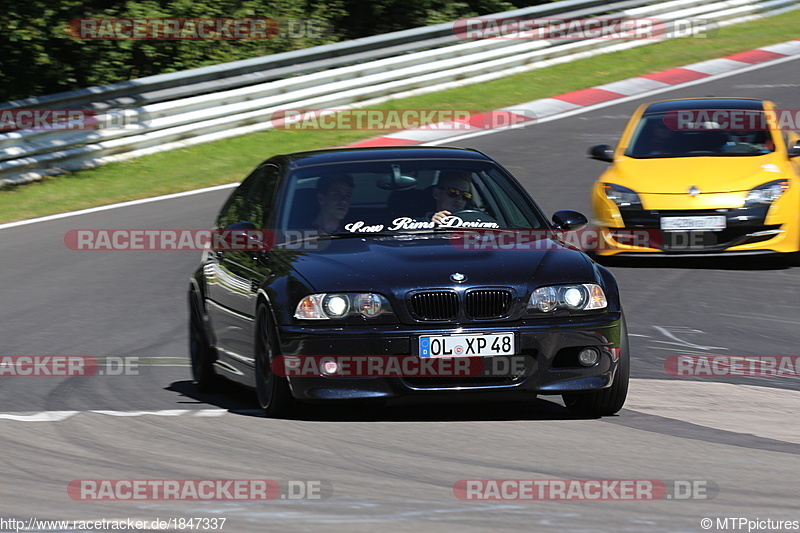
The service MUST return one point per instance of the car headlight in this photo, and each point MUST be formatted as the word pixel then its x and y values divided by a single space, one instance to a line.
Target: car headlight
pixel 341 305
pixel 622 196
pixel 584 297
pixel 766 193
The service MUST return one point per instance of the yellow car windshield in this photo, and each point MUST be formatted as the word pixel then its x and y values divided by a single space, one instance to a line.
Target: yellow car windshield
pixel 662 135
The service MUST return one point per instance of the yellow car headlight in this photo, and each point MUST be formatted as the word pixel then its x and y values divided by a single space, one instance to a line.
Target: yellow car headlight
pixel 622 196
pixel 766 193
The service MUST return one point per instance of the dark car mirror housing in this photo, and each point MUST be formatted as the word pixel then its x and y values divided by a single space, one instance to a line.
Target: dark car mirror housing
pixel 602 152
pixel 794 151
pixel 569 220
pixel 396 181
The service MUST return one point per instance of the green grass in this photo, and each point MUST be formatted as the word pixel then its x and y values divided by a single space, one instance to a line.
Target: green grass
pixel 230 160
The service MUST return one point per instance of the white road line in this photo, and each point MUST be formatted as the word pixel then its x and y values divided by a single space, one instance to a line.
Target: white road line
pixel 165 412
pixel 670 331
pixel 58 416
pixel 57 216
pixel 44 416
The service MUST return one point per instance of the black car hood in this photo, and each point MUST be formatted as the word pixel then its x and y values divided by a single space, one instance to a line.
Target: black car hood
pixel 396 264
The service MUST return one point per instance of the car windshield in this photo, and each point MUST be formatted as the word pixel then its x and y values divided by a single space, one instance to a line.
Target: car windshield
pixel 665 135
pixel 403 196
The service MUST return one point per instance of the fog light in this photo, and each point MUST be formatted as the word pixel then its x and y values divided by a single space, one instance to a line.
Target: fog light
pixel 589 356
pixel 330 366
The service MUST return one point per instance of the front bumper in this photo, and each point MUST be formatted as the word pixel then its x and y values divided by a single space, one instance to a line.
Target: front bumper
pixel 746 231
pixel 545 359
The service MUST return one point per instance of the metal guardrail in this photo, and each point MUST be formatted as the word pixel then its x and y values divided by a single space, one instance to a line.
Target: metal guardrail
pixel 205 104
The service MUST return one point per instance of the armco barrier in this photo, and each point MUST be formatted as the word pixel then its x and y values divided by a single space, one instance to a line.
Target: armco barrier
pixel 201 105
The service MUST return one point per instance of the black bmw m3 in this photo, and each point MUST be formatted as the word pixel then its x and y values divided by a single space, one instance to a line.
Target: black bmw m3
pixel 391 274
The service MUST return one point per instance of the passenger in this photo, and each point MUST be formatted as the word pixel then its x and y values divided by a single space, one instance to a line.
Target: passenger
pixel 659 139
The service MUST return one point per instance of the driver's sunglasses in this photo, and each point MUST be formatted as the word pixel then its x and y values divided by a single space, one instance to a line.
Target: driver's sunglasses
pixel 455 193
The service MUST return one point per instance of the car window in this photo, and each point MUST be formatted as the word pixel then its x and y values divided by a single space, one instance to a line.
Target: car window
pixel 403 195
pixel 235 209
pixel 261 195
pixel 660 136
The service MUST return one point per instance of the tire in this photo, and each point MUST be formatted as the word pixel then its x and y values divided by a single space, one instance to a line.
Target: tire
pixel 274 396
pixel 605 402
pixel 201 354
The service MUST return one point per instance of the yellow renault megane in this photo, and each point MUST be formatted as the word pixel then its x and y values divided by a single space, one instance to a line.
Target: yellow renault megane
pixel 700 176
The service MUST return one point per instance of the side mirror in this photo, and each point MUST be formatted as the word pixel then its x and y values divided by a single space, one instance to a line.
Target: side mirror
pixel 569 220
pixel 794 151
pixel 602 152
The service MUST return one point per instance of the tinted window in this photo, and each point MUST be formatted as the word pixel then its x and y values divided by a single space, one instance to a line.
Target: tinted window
pixel 252 200
pixel 402 196
pixel 660 135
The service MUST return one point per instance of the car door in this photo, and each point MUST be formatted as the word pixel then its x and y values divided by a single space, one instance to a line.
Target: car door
pixel 232 281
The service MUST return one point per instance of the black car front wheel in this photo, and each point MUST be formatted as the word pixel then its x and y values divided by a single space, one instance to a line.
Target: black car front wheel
pixel 201 354
pixel 272 390
pixel 607 401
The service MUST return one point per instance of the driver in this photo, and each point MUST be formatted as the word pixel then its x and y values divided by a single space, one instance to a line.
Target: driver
pixel 452 193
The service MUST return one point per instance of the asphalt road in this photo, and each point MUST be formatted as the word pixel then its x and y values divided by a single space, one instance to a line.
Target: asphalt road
pixel 394 469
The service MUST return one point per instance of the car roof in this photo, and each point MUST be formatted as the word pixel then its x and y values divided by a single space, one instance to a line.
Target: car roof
pixel 394 153
pixel 704 103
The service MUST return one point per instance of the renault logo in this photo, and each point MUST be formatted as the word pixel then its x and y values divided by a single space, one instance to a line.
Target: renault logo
pixel 693 191
pixel 458 277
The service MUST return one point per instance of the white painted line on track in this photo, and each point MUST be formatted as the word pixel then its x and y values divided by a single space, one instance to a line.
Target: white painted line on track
pixel 97 209
pixel 766 412
pixel 58 416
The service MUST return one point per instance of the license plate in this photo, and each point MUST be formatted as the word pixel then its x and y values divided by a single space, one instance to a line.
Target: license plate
pixel 467 345
pixel 707 223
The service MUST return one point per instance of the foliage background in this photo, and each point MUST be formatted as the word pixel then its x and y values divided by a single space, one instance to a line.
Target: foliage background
pixel 37 56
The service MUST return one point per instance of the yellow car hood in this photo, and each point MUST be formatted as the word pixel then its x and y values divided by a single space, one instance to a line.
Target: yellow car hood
pixel 709 174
